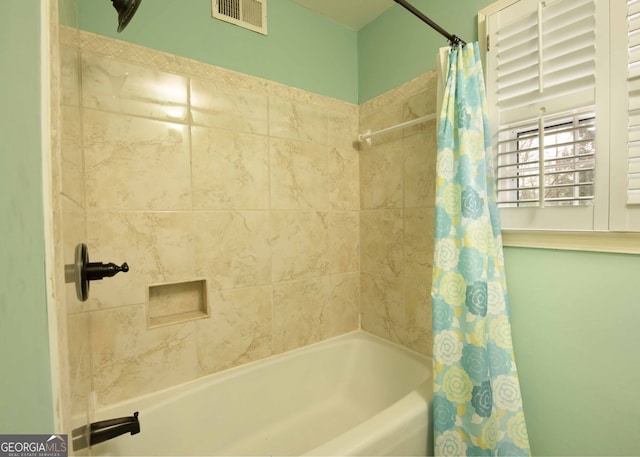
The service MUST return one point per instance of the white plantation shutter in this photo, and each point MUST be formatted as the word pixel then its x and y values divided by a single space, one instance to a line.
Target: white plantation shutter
pixel 541 81
pixel 633 65
pixel 624 204
pixel 546 59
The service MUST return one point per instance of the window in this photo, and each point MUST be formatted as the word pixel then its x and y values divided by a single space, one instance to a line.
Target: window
pixel 563 83
pixel 552 164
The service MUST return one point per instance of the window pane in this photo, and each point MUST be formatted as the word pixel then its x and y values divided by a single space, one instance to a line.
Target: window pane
pixel 567 164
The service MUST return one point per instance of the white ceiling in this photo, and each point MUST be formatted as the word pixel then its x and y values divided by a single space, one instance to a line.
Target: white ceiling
pixel 353 14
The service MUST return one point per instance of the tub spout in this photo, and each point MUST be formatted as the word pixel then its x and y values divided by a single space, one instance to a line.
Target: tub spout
pixel 108 429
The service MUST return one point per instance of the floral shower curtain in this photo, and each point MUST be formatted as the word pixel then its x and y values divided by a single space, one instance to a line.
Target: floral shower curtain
pixel 477 402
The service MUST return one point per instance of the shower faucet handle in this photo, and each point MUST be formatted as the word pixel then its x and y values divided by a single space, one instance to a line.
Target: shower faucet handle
pixel 83 271
pixel 96 271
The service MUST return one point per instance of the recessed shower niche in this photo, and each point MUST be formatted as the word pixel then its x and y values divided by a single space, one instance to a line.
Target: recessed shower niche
pixel 177 302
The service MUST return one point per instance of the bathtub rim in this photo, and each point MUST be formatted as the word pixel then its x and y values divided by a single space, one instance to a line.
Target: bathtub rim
pixel 158 398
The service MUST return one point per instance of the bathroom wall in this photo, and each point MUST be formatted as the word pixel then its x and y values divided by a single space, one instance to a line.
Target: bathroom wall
pixel 574 320
pixel 302 49
pixel 193 171
pixel 25 384
pixel 397 209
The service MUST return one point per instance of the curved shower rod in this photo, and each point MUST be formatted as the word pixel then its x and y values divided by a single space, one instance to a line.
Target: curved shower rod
pixel 453 39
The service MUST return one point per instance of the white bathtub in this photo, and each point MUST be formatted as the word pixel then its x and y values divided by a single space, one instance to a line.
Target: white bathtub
pixel 352 395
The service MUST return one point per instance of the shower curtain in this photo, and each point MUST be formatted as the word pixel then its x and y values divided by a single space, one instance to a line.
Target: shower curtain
pixel 477 402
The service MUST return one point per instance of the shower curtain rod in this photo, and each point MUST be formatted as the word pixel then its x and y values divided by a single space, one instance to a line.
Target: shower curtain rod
pixel 453 39
pixel 366 137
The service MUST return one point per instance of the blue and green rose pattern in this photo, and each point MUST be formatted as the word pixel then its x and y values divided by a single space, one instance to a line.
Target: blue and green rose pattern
pixel 477 402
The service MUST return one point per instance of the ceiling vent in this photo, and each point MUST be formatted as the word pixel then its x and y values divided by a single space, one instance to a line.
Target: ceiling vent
pixel 250 14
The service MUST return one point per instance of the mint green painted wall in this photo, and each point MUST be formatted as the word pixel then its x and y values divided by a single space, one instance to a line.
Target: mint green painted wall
pixel 398 47
pixel 302 49
pixel 25 382
pixel 575 321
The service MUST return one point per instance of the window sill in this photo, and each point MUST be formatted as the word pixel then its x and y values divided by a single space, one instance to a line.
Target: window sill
pixel 617 242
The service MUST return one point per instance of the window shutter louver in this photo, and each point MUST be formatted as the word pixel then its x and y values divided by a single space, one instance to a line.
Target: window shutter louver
pixel 545 91
pixel 545 55
pixel 633 87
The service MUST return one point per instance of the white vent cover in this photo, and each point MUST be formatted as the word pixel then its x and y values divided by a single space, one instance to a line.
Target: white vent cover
pixel 250 14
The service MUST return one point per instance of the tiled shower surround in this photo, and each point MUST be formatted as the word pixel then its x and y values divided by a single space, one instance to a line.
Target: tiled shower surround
pixel 196 172
pixel 397 197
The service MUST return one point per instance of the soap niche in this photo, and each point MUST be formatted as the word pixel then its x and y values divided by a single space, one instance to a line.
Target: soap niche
pixel 172 303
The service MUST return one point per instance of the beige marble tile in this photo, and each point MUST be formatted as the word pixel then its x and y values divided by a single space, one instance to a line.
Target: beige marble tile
pixel 70 75
pixel 230 169
pixel 420 168
pixel 308 174
pixel 383 306
pixel 381 176
pixel 316 100
pixel 397 246
pixel 387 116
pixel 297 121
pixel 344 179
pixel 238 331
pixel 422 103
pixel 158 248
pixel 224 78
pixel 212 107
pixel 402 92
pixel 343 129
pixel 381 242
pixel 73 232
pixel 344 242
pixel 300 244
pixel 118 86
pixel 345 304
pixel 79 344
pixel 419 105
pixel 299 175
pixel 69 35
pixel 136 164
pixel 300 312
pixel 418 243
pixel 72 172
pixel 133 360
pixel 233 248
pixel 418 333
